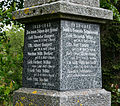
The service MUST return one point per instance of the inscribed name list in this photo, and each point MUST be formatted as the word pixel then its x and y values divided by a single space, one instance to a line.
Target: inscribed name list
pixel 81 57
pixel 41 55
pixel 62 55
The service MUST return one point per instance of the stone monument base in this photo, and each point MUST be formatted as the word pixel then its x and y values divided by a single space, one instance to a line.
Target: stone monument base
pixel 40 97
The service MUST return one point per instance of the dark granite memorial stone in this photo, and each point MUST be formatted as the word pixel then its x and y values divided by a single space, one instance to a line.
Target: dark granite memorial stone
pixel 41 55
pixel 62 59
pixel 62 55
pixel 80 55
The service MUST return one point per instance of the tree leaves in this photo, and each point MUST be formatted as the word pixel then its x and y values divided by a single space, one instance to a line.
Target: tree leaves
pixel 11 59
pixel 6 9
pixel 112 5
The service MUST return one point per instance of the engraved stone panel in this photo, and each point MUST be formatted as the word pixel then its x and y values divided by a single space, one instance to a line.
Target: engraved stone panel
pixel 80 53
pixel 41 55
pixel 93 3
pixel 62 59
pixel 62 55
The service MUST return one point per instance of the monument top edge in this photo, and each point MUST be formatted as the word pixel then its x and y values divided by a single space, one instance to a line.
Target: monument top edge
pixel 92 3
pixel 68 9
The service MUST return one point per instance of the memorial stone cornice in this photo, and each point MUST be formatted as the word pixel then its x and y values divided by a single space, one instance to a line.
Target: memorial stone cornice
pixel 61 9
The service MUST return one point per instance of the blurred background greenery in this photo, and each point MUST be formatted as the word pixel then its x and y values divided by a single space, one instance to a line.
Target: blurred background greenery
pixel 11 51
pixel 11 59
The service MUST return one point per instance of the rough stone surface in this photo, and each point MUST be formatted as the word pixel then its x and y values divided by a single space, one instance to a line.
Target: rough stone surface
pixel 41 55
pixel 62 55
pixel 38 97
pixel 63 8
pixel 80 55
pixel 93 3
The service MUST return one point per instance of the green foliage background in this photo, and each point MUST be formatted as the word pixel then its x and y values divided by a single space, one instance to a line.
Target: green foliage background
pixel 11 59
pixel 11 51
pixel 110 42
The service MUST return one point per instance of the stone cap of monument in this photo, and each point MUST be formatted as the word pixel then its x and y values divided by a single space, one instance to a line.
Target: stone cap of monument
pixel 61 9
pixel 92 3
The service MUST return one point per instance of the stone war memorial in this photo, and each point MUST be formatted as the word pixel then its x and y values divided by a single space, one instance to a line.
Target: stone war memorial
pixel 62 53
